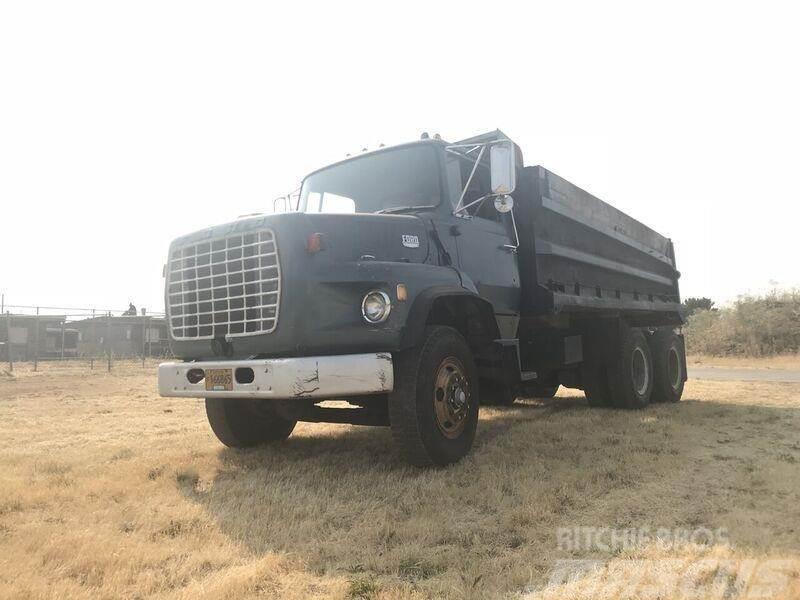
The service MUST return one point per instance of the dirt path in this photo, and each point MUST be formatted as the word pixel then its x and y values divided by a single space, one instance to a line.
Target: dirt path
pixel 729 374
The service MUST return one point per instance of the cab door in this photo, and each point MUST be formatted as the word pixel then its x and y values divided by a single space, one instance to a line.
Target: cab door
pixel 485 255
pixel 485 243
pixel 484 240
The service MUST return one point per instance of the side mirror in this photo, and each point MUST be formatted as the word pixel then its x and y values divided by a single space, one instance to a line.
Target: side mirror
pixel 503 167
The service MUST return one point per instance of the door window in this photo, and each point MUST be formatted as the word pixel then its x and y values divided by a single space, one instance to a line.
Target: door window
pixel 458 171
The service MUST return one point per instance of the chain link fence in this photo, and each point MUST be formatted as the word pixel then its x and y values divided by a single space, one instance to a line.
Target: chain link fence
pixel 94 337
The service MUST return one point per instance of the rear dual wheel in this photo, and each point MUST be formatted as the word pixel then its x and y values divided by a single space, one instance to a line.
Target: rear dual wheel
pixel 669 362
pixel 642 370
pixel 595 386
pixel 630 373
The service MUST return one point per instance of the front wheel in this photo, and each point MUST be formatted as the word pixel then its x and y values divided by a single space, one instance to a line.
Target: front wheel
pixel 243 422
pixel 433 409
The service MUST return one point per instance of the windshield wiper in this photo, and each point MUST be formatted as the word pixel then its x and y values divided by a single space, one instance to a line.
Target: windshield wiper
pixel 397 209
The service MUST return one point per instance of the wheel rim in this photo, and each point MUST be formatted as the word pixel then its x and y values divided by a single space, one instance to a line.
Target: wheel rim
pixel 452 397
pixel 640 372
pixel 674 366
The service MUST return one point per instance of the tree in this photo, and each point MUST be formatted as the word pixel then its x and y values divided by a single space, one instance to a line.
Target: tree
pixel 692 305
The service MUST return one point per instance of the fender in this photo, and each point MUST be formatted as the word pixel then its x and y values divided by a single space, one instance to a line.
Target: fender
pixel 414 331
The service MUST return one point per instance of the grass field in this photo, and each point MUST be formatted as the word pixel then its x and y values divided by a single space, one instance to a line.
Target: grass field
pixel 108 491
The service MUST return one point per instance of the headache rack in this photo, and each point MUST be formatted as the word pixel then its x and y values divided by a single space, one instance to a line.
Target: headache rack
pixel 224 287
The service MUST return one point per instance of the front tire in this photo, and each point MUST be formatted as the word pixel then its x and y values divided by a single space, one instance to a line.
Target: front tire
pixel 433 409
pixel 243 423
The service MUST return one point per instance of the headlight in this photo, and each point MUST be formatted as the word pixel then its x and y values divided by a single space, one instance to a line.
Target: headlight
pixel 375 307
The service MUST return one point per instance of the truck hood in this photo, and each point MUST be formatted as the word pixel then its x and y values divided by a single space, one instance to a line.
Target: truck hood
pixel 288 300
pixel 354 237
pixel 344 237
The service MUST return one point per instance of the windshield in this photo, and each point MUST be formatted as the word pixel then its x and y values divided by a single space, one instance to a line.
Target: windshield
pixel 389 181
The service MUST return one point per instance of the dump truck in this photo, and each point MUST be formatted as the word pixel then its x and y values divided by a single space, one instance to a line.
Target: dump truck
pixel 409 286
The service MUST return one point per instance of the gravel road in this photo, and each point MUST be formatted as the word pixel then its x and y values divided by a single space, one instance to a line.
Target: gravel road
pixel 729 374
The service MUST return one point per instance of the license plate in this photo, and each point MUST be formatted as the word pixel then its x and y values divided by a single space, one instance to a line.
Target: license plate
pixel 219 380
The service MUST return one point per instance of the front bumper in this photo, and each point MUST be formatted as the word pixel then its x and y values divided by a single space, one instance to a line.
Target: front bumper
pixel 324 377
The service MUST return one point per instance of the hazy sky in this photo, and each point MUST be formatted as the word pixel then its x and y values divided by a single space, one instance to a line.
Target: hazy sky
pixel 124 125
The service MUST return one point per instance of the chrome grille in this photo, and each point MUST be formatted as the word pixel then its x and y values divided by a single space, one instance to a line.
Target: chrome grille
pixel 224 287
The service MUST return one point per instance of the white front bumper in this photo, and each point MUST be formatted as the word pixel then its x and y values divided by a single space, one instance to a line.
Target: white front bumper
pixel 305 377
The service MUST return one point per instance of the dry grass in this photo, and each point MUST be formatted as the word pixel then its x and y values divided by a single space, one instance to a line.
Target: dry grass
pixel 108 491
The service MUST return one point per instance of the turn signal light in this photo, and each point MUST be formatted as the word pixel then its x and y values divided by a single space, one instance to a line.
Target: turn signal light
pixel 314 243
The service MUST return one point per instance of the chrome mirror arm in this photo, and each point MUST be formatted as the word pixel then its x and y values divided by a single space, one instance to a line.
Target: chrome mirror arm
pixel 516 234
pixel 459 206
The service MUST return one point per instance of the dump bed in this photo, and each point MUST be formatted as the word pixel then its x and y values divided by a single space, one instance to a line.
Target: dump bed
pixel 578 253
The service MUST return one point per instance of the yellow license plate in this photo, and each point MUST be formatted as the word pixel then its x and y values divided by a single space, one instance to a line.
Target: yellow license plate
pixel 219 380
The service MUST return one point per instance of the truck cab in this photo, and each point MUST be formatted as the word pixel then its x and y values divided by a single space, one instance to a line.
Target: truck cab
pixel 406 282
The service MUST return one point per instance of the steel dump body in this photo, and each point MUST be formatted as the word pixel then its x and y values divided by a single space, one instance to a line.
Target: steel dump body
pixel 578 253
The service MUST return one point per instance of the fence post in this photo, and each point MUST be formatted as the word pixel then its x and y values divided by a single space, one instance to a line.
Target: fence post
pixel 149 343
pixel 8 341
pixel 62 337
pixel 108 340
pixel 94 341
pixel 144 336
pixel 36 343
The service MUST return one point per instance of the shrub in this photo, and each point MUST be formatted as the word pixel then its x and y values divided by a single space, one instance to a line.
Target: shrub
pixel 752 326
pixel 692 305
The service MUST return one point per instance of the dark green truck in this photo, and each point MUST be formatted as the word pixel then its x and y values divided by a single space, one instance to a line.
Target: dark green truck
pixel 417 283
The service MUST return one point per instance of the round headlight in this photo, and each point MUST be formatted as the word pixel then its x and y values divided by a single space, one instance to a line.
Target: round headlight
pixel 375 307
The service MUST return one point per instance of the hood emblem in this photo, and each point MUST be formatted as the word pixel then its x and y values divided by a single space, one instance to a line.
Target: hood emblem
pixel 411 241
